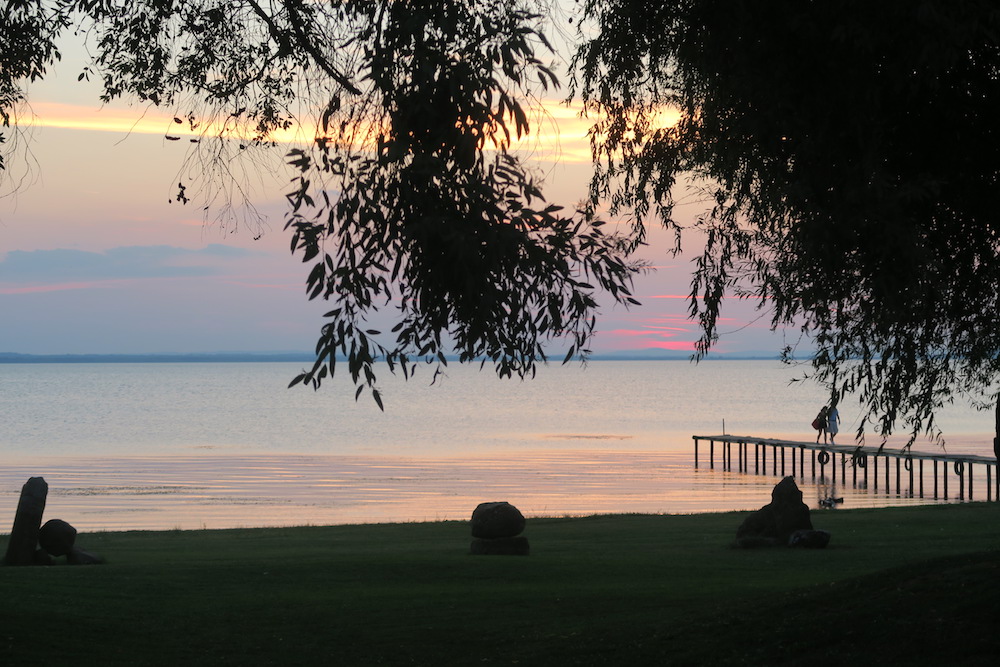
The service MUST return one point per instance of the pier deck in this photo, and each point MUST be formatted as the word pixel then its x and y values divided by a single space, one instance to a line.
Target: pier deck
pixel 788 457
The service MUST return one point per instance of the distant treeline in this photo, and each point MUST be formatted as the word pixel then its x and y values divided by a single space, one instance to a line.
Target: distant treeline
pixel 306 357
pixel 14 358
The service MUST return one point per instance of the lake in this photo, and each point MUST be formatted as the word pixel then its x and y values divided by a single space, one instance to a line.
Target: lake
pixel 193 445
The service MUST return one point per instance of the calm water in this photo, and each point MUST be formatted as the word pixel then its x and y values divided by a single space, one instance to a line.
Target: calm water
pixel 133 446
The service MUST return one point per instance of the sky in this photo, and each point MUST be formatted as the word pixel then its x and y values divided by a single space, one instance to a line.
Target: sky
pixel 96 258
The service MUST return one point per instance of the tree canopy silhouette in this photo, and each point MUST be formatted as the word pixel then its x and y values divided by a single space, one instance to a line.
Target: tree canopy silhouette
pixel 848 152
pixel 850 156
pixel 408 197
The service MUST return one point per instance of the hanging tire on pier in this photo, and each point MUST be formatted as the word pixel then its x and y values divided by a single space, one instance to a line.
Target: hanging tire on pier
pixel 823 458
pixel 959 468
pixel 908 464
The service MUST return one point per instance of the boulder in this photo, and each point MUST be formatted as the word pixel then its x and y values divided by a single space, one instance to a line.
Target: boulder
pixel 23 539
pixel 497 519
pixel 809 539
pixel 785 514
pixel 57 537
pixel 500 546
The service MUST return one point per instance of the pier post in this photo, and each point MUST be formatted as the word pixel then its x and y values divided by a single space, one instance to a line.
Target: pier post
pixel 961 465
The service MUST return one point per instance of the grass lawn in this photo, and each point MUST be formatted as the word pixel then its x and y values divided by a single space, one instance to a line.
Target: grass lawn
pixel 914 586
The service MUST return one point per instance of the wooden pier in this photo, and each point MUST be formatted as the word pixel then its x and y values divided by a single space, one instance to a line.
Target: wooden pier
pixel 868 467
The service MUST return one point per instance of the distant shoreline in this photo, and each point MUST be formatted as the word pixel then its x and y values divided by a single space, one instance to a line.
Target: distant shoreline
pixel 220 357
pixel 305 357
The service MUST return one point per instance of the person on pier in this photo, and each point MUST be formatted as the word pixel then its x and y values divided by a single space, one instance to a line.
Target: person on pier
pixel 820 424
pixel 833 422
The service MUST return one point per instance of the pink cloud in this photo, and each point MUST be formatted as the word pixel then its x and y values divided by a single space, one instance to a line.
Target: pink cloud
pixel 660 327
pixel 647 338
pixel 635 332
pixel 662 321
pixel 684 345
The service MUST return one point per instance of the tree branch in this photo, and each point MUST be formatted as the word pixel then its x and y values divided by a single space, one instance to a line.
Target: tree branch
pixel 295 21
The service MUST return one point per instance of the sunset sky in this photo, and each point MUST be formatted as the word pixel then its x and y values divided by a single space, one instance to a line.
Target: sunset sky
pixel 95 259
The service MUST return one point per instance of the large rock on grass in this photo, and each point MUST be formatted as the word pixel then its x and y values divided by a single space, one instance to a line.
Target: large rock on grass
pixel 78 556
pixel 809 539
pixel 23 541
pixel 774 523
pixel 498 519
pixel 56 537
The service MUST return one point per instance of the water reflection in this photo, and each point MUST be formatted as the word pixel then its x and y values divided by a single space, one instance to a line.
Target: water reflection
pixel 162 493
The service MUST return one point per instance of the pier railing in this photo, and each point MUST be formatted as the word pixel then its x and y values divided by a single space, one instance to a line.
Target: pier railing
pixel 789 457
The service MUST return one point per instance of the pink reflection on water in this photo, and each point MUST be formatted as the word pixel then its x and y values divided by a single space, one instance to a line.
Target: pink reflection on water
pixel 192 492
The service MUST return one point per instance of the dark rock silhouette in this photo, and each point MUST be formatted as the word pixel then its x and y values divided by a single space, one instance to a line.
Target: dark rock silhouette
pixel 23 540
pixel 774 523
pixel 34 544
pixel 809 539
pixel 78 556
pixel 496 530
pixel 491 520
pixel 56 537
